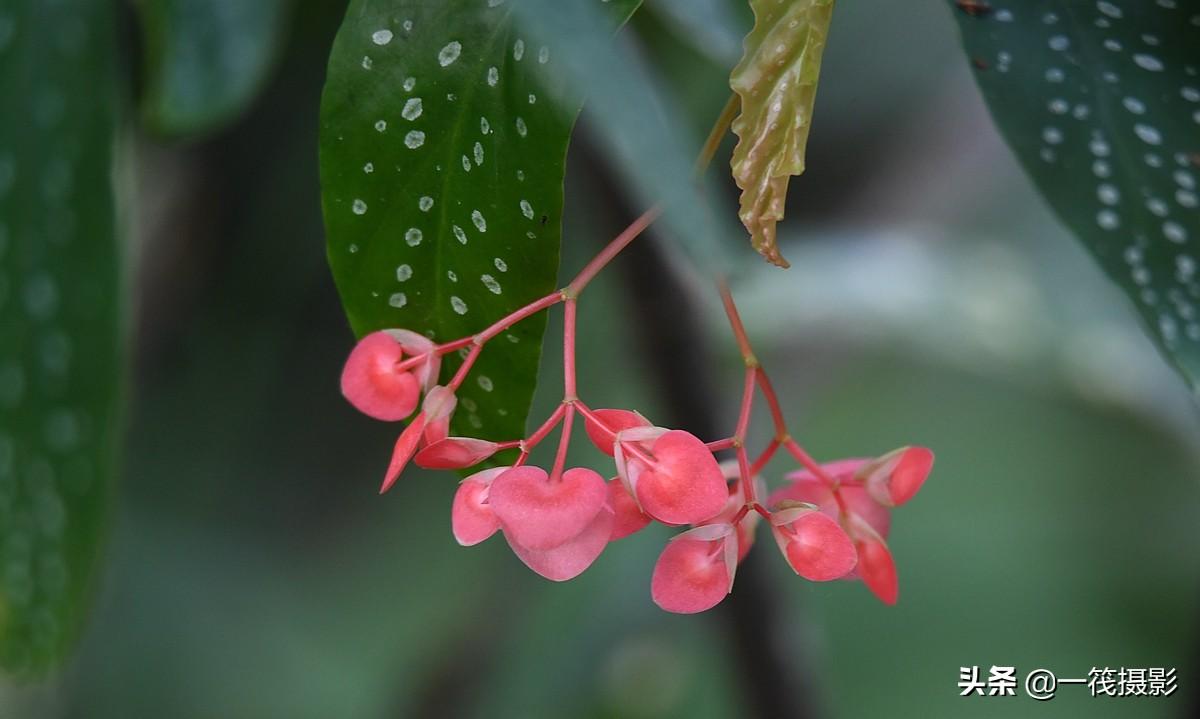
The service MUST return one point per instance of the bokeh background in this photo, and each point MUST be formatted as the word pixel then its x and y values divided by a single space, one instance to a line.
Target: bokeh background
pixel 253 571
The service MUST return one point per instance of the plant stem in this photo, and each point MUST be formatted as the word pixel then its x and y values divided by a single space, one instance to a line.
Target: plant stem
pixel 613 249
pixel 717 133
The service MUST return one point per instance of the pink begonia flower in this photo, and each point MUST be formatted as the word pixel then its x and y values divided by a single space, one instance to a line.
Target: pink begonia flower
pixel 569 559
pixel 471 517
pixel 406 446
pixel 695 571
pixel 616 420
pixel 672 475
pixel 628 517
pixel 438 408
pixel 895 477
pixel 815 546
pixel 455 453
pixel 876 567
pixel 371 382
pixel 538 512
pixel 803 486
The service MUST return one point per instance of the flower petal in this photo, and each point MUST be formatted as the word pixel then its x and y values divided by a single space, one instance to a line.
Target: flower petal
pixel 684 485
pixel 471 517
pixel 455 453
pixel 405 447
pixel 539 513
pixel 371 383
pixel 570 559
pixel 690 576
pixel 615 420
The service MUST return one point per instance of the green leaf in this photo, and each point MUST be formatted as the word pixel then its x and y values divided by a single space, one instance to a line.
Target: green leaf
pixel 777 84
pixel 59 310
pixel 1101 104
pixel 442 162
pixel 207 59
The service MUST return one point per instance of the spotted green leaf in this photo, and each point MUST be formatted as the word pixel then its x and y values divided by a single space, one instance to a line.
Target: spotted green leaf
pixel 442 162
pixel 206 59
pixel 59 303
pixel 776 82
pixel 1100 101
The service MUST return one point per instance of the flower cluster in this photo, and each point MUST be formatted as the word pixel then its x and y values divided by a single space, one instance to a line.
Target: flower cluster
pixel 830 521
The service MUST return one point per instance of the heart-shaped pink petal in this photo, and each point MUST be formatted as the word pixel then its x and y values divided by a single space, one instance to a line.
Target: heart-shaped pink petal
pixel 684 484
pixel 371 383
pixel 471 517
pixel 628 516
pixel 538 513
pixel 690 576
pixel 568 560
pixel 455 453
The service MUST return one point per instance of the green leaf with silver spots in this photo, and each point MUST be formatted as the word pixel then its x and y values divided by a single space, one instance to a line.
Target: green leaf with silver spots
pixel 442 158
pixel 59 305
pixel 776 82
pixel 1100 101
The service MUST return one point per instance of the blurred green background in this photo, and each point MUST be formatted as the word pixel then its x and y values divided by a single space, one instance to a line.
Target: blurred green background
pixel 253 571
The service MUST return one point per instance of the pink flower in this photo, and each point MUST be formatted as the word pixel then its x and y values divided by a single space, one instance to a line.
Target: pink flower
pixel 671 474
pixel 374 385
pixel 615 420
pixel 471 517
pixel 858 494
pixel 538 512
pixel 695 571
pixel 455 453
pixel 429 426
pixel 815 546
pixel 569 559
pixel 628 518
pixel 895 477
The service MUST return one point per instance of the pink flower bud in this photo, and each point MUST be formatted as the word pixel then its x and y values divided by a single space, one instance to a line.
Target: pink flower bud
pixel 471 517
pixel 895 477
pixel 569 559
pixel 438 408
pixel 695 571
pixel 673 476
pixel 371 382
pixel 406 446
pixel 539 513
pixel 616 420
pixel 816 547
pixel 875 565
pixel 628 517
pixel 455 453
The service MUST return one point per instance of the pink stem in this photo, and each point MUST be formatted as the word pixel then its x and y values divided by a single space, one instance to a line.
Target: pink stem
pixel 461 374
pixel 509 320
pixel 719 444
pixel 591 269
pixel 569 320
pixel 564 440
pixel 764 458
pixel 546 428
pixel 807 461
